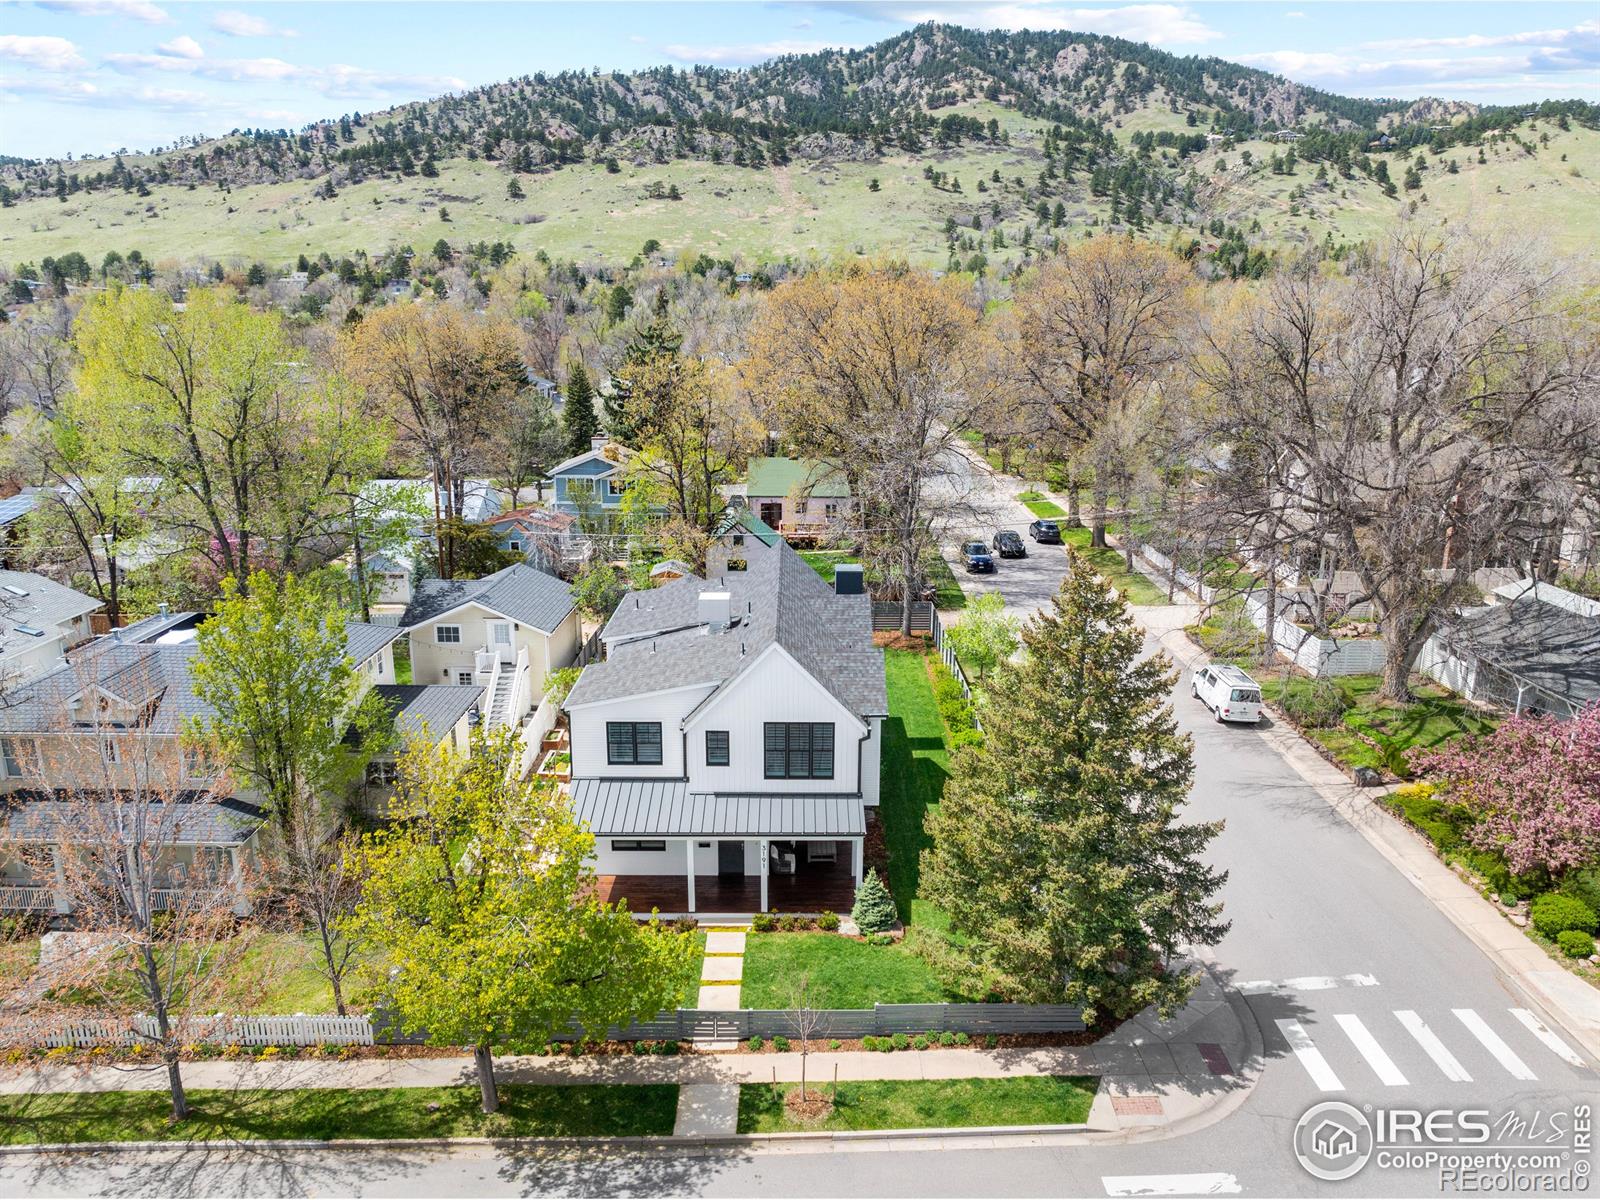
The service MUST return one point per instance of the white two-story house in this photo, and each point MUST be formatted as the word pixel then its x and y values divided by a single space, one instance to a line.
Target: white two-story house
pixel 725 751
pixel 504 633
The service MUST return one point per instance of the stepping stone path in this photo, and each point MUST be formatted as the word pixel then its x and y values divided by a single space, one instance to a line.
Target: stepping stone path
pixel 722 969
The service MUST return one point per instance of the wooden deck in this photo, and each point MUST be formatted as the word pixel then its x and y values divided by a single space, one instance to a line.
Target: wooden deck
pixel 814 888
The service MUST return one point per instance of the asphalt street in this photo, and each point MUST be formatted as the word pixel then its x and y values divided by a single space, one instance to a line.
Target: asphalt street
pixel 1363 992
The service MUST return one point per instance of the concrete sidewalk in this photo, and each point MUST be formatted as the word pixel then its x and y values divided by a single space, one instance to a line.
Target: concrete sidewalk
pixel 1564 996
pixel 1199 1065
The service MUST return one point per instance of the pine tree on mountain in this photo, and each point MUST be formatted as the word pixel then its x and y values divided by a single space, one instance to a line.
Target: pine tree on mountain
pixel 578 420
pixel 1058 847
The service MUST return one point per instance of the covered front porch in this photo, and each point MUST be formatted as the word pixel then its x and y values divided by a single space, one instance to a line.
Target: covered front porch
pixel 660 846
pixel 801 876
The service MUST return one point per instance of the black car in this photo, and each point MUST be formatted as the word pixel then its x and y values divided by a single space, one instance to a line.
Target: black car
pixel 978 558
pixel 1008 544
pixel 1046 533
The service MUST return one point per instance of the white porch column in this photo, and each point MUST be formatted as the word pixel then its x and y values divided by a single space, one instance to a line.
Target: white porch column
pixel 856 854
pixel 764 853
pixel 241 906
pixel 688 846
pixel 62 904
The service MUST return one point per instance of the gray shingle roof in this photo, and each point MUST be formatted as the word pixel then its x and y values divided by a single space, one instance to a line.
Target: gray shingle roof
pixel 666 808
pixel 362 641
pixel 435 707
pixel 37 816
pixel 655 641
pixel 1540 643
pixel 521 593
pixel 45 605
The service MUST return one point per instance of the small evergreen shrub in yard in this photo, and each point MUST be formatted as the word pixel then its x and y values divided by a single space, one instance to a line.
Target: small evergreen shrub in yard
pixel 834 1044
pixel 828 922
pixel 780 1044
pixel 920 1042
pixel 874 909
pixel 755 1043
pixel 947 1038
pixel 963 1040
pixel 764 922
pixel 1575 943
pixel 901 1041
pixel 1553 914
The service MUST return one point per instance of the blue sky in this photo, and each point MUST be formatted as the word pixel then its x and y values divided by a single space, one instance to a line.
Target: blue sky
pixel 90 76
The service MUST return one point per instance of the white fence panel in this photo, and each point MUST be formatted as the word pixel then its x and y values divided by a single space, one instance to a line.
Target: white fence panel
pixel 540 723
pixel 1320 657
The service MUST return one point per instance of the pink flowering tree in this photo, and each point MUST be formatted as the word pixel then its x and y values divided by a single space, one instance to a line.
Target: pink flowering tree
pixel 1532 787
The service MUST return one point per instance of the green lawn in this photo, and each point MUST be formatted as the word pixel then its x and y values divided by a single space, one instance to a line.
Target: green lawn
pixel 1434 716
pixel 1042 507
pixel 914 769
pixel 527 1110
pixel 841 972
pixel 1113 568
pixel 928 1103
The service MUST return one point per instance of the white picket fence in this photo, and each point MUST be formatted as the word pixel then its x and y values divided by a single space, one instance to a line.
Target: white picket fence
pixel 301 1029
pixel 540 723
pixel 1160 570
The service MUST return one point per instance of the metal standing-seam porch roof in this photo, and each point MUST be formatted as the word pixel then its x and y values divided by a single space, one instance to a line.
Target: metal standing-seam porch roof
pixel 666 808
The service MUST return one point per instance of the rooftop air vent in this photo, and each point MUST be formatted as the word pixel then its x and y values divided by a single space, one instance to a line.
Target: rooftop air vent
pixel 15 590
pixel 30 630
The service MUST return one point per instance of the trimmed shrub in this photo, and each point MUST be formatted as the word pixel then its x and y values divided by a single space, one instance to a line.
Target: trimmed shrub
pixel 828 922
pixel 874 909
pixel 963 1039
pixel 1553 914
pixel 642 1047
pixel 947 1038
pixel 670 1046
pixel 869 1042
pixel 788 923
pixel 965 737
pixel 991 1041
pixel 901 1041
pixel 780 1044
pixel 755 1043
pixel 834 1043
pixel 764 922
pixel 920 1042
pixel 1575 943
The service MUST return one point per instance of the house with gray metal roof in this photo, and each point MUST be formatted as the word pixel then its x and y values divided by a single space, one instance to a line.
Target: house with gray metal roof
pixel 726 748
pixel 503 633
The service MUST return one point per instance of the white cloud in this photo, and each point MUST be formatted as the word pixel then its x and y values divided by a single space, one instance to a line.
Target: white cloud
pixel 238 24
pixel 1294 16
pixel 1408 75
pixel 1158 24
pixel 1584 36
pixel 182 46
pixel 46 53
pixel 739 55
pixel 138 10
pixel 338 79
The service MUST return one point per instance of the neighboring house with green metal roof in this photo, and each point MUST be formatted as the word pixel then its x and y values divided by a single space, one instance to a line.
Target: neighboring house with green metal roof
pixel 799 497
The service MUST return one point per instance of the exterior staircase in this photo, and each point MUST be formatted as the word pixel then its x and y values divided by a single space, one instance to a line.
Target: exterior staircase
pixel 500 702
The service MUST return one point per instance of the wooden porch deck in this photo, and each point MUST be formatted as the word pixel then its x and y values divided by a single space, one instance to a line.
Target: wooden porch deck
pixel 814 888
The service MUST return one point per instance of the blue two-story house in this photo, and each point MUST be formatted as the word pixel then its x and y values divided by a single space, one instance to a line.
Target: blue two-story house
pixel 591 484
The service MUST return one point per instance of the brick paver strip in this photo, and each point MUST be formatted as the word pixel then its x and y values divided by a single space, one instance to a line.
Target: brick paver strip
pixel 1136 1106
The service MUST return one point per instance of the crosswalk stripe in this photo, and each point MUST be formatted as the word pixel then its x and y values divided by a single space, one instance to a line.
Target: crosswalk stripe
pixel 1310 1057
pixel 1542 1031
pixel 1493 1043
pixel 1430 1042
pixel 1219 1184
pixel 1377 1058
pixel 1305 983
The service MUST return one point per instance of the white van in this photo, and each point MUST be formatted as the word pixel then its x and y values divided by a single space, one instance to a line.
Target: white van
pixel 1228 692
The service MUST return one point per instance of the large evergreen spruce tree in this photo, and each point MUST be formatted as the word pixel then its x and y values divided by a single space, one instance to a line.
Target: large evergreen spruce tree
pixel 1058 848
pixel 578 421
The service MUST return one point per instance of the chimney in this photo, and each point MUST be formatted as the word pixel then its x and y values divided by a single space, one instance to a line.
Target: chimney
pixel 715 610
pixel 848 579
pixel 598 441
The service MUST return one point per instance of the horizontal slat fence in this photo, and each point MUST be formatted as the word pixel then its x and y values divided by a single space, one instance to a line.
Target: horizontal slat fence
pixel 684 1024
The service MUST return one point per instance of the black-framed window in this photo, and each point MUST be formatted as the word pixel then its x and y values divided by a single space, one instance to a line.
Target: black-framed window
pixel 798 750
pixel 716 747
pixel 635 844
pixel 633 743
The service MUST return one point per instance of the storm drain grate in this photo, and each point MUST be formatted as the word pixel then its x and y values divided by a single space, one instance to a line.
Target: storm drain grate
pixel 1136 1106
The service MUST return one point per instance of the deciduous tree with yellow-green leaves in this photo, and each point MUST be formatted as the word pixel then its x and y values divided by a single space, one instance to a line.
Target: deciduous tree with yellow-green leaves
pixel 481 897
